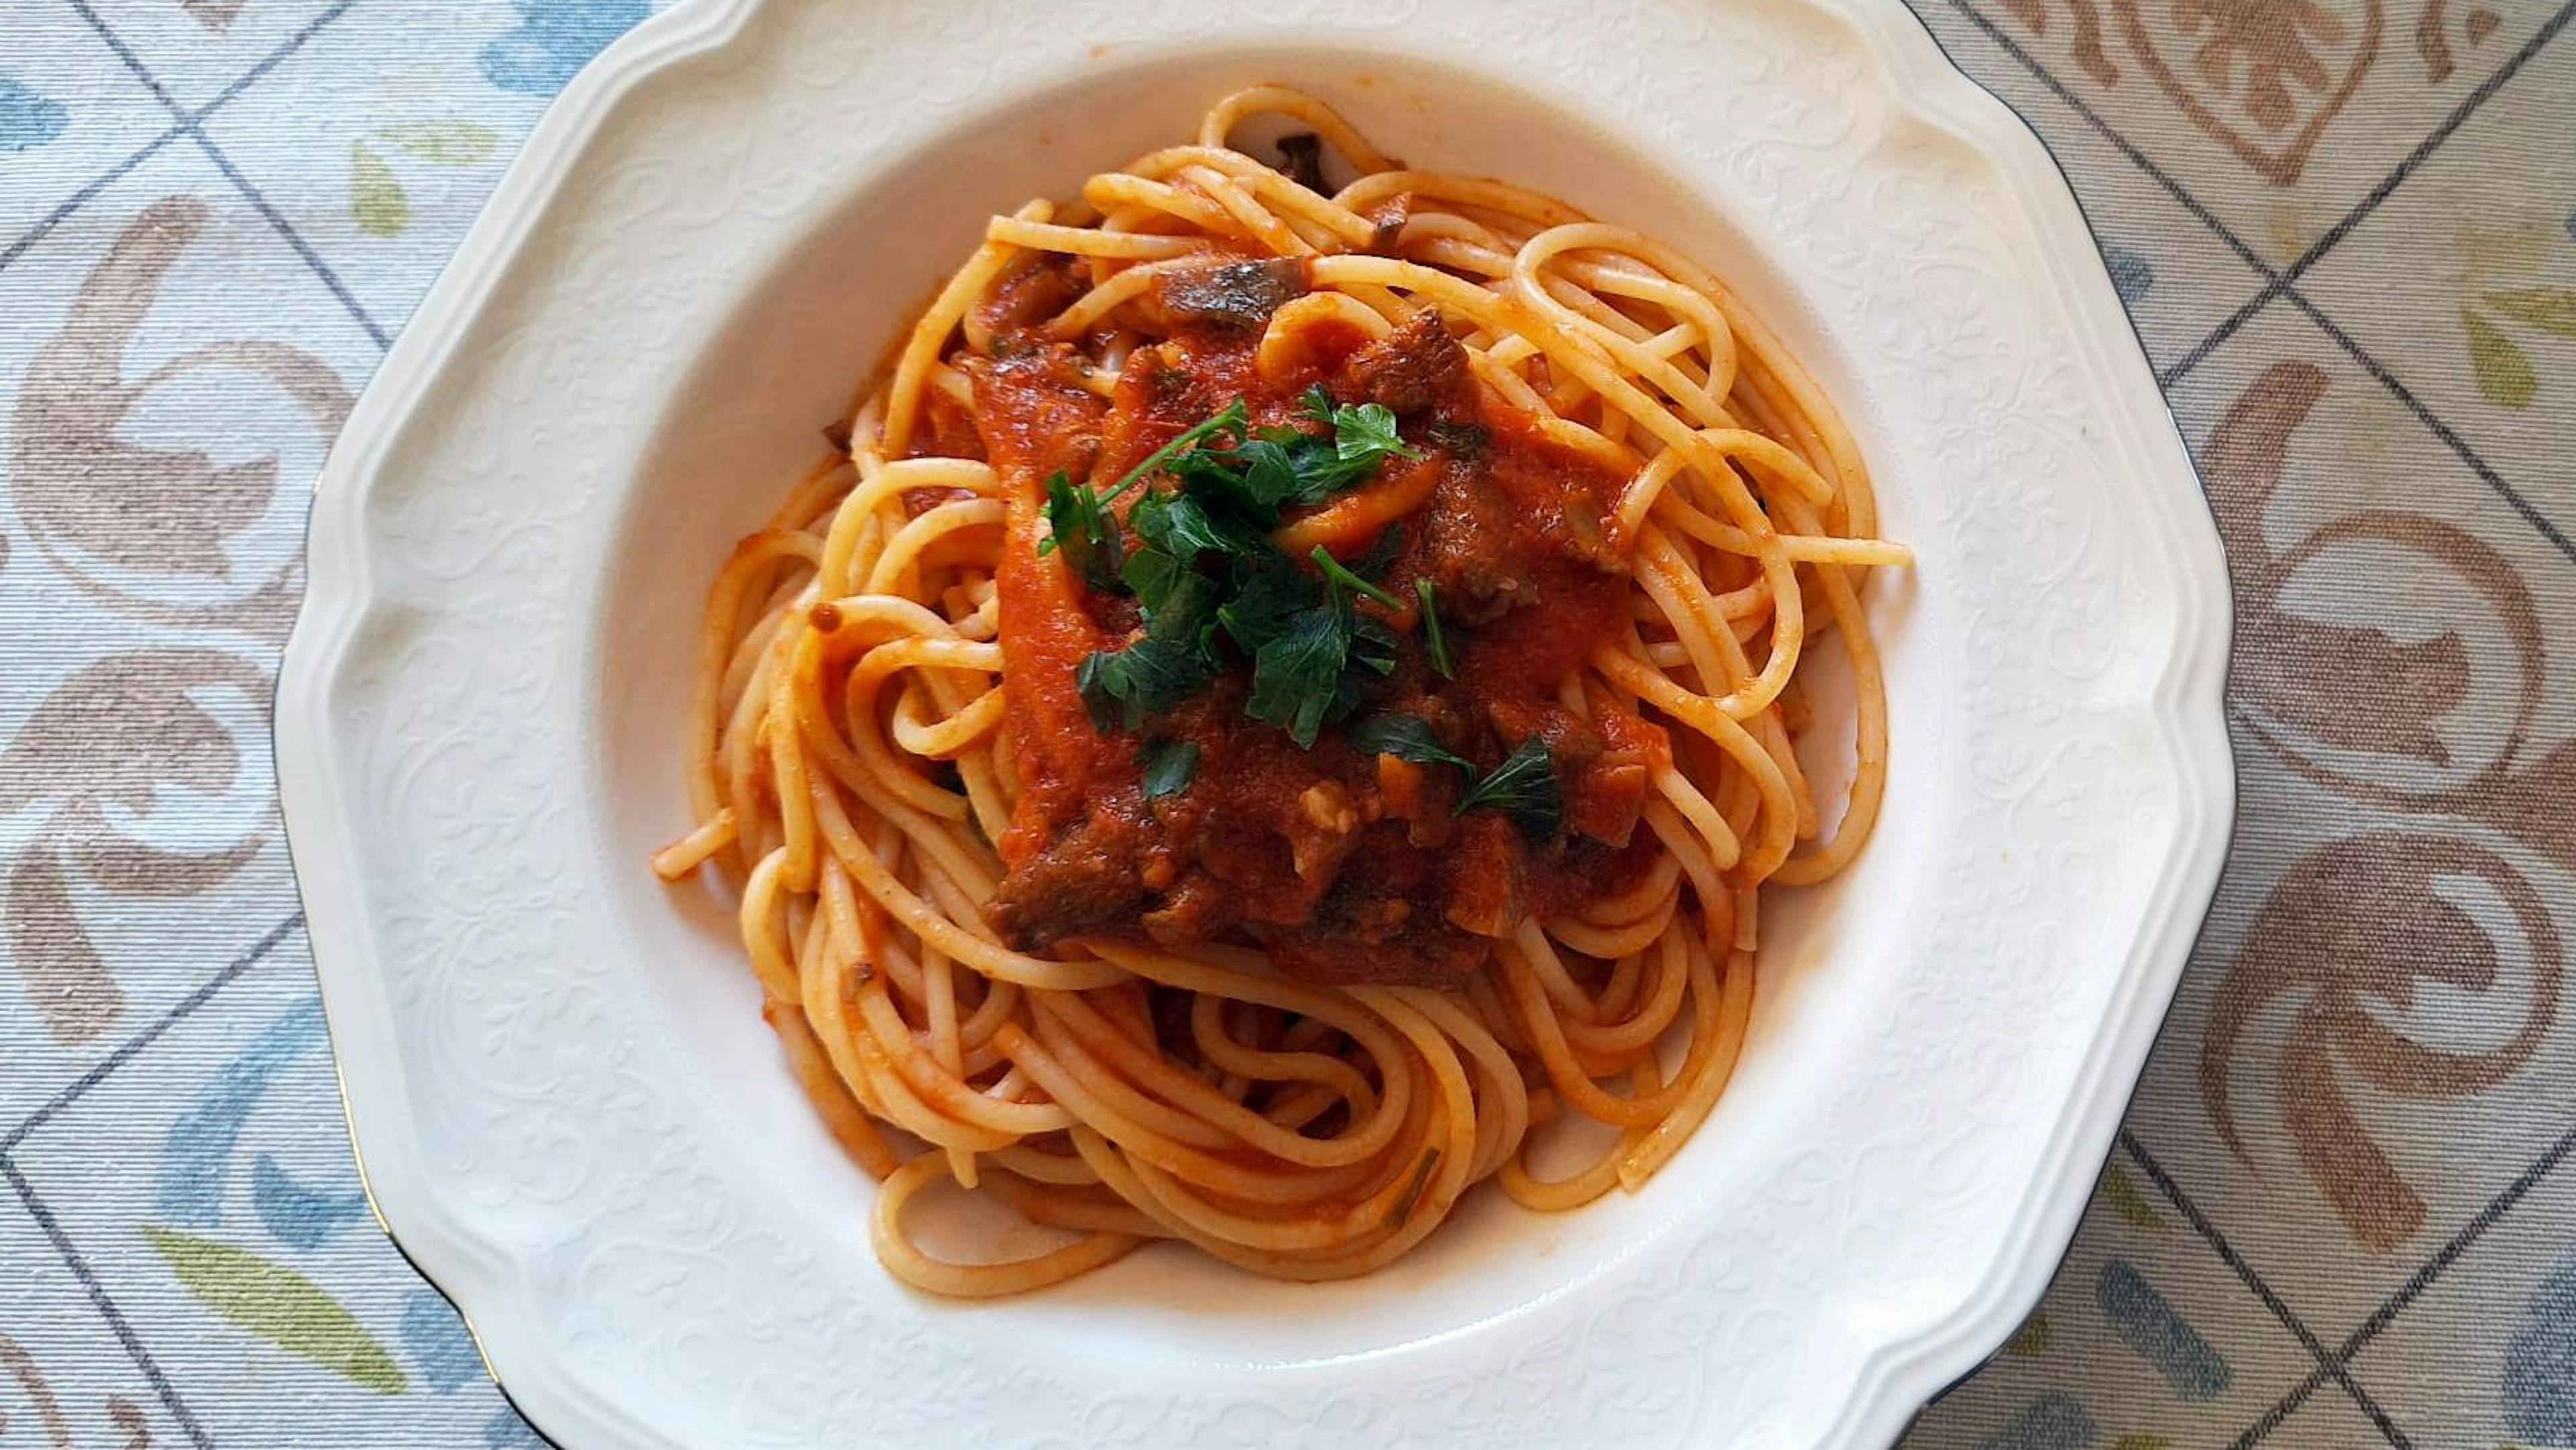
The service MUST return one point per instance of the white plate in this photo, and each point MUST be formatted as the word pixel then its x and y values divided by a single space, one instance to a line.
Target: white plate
pixel 572 1116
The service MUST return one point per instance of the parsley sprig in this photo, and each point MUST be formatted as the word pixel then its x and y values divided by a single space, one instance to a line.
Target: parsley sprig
pixel 1175 660
pixel 1203 568
pixel 1325 661
pixel 1406 737
pixel 1079 521
pixel 1334 570
pixel 1168 767
pixel 1432 639
pixel 1205 574
pixel 1524 787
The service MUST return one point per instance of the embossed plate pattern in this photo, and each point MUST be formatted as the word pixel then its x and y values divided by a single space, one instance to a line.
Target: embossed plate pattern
pixel 569 1115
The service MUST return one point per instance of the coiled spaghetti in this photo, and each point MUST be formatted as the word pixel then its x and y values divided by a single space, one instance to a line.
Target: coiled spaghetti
pixel 867 722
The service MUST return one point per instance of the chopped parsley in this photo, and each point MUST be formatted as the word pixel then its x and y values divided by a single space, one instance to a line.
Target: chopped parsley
pixel 1366 431
pixel 1228 419
pixel 1318 665
pixel 1432 640
pixel 1202 566
pixel 1175 660
pixel 1169 766
pixel 1525 788
pixel 1204 572
pixel 1079 521
pixel 1406 737
pixel 1082 526
pixel 1332 569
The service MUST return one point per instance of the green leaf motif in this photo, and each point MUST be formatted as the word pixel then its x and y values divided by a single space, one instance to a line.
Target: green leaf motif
pixel 445 143
pixel 376 196
pixel 2504 373
pixel 2142 1441
pixel 2031 1340
pixel 2551 309
pixel 279 1305
pixel 2120 1191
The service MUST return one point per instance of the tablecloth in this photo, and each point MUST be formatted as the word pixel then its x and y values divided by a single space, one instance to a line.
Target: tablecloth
pixel 2339 1213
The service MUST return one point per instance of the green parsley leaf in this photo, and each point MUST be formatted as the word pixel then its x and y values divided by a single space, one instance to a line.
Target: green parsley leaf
pixel 1259 477
pixel 1406 737
pixel 1368 431
pixel 1169 766
pixel 1203 564
pixel 1334 570
pixel 1267 591
pixel 1175 660
pixel 1146 678
pixel 1323 664
pixel 1363 438
pixel 1100 683
pixel 1525 788
pixel 1080 524
pixel 1182 525
pixel 1267 474
pixel 1228 419
pixel 1431 637
pixel 1297 672
pixel 1321 473
pixel 1149 574
pixel 1366 665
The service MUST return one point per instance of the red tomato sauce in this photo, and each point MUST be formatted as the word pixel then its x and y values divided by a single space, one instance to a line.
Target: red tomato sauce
pixel 1345 866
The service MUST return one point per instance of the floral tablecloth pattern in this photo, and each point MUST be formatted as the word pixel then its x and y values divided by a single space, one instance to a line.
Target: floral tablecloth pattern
pixel 2340 1213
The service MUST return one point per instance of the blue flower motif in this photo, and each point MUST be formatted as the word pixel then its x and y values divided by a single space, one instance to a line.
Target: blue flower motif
pixel 506 1431
pixel 2539 1386
pixel 299 1215
pixel 437 1339
pixel 197 1158
pixel 555 38
pixel 28 120
pixel 2131 275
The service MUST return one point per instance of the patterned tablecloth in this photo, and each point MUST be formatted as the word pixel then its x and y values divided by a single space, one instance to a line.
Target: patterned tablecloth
pixel 2339 1213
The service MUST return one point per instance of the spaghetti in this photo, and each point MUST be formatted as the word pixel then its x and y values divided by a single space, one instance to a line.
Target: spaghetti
pixel 1281 694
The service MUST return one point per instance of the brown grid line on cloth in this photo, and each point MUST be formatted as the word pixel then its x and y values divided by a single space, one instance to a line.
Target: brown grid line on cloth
pixel 2344 226
pixel 2278 283
pixel 46 1221
pixel 2272 283
pixel 2281 284
pixel 2432 1268
pixel 189 124
pixel 117 1322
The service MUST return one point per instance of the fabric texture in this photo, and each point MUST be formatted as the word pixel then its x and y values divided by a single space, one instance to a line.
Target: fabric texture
pixel 2339 1214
